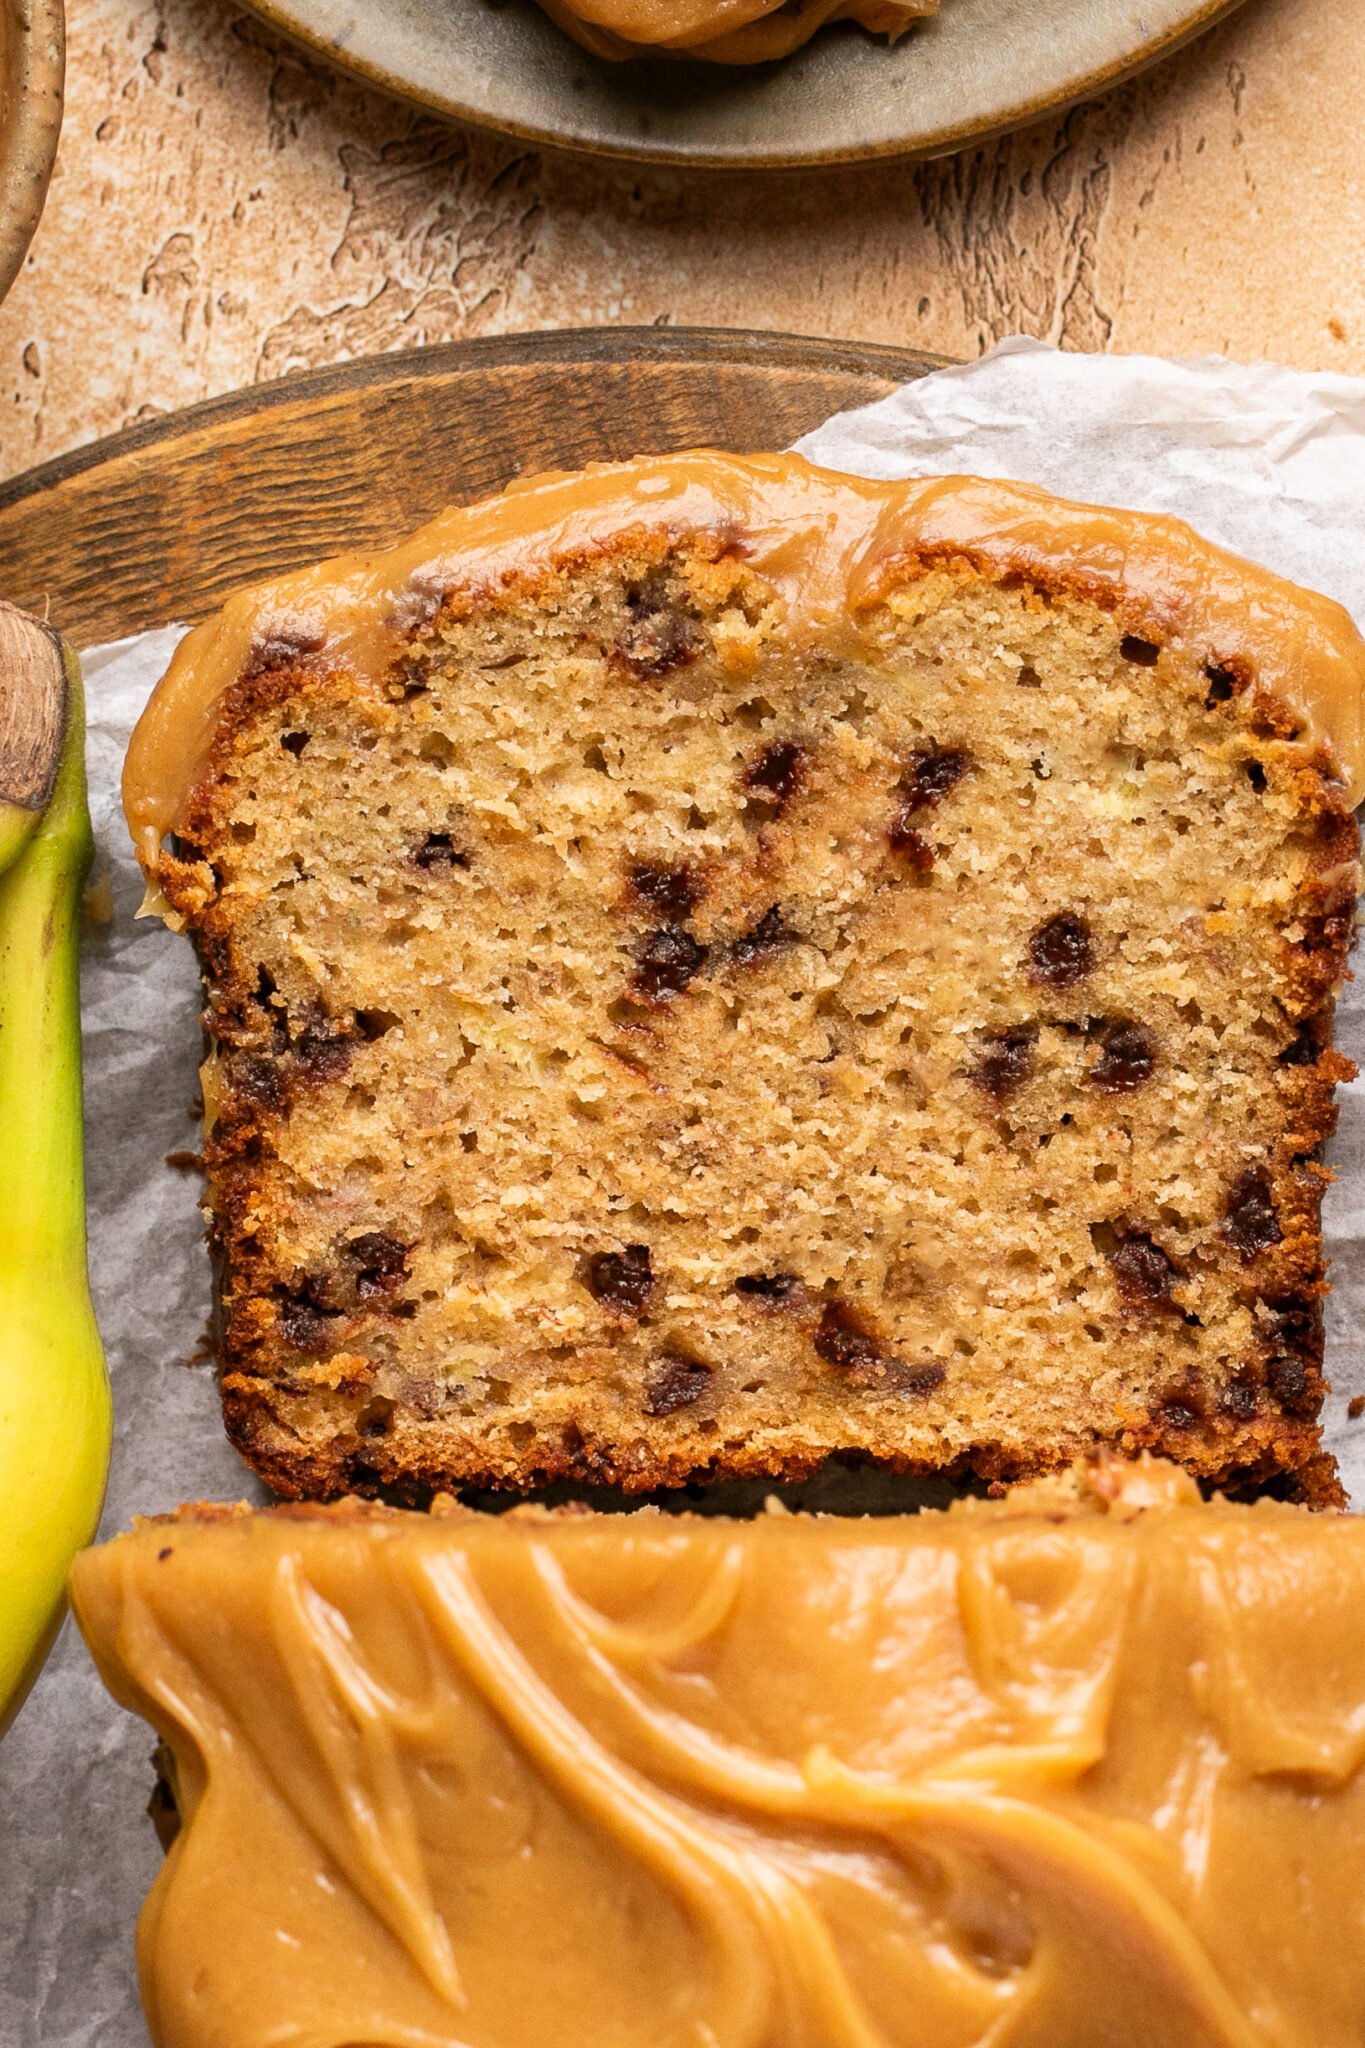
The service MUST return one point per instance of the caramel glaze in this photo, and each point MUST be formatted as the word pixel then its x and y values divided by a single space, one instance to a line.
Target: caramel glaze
pixel 1077 1767
pixel 830 545
pixel 722 31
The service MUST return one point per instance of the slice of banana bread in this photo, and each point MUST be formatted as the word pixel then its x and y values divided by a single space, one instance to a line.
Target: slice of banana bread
pixel 712 964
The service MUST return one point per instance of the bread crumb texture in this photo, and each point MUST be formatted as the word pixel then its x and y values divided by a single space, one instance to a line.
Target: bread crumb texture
pixel 645 1047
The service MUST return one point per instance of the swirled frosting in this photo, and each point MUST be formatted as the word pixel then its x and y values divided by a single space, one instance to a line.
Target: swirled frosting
pixel 828 544
pixel 1042 1773
pixel 722 31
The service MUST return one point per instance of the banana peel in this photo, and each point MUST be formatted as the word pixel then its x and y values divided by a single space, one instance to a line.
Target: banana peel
pixel 55 1410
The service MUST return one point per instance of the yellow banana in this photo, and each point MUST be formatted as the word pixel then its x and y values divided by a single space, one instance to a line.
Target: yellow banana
pixel 55 1415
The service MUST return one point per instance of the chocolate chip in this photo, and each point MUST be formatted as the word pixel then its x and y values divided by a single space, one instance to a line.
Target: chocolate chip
pixel 662 634
pixel 666 961
pixel 438 850
pixel 1005 1062
pixel 381 1264
pixel 1240 1399
pixel 303 1321
pixel 675 1382
pixel 1250 1223
pixel 911 845
pixel 622 1281
pixel 772 934
pixel 322 1054
pixel 779 770
pixel 929 776
pixel 1144 1275
pixel 1127 1059
pixel 259 1079
pixel 843 1338
pixel 1060 951
pixel 1294 1387
pixel 672 890
pixel 897 1376
pixel 1145 653
pixel 772 1290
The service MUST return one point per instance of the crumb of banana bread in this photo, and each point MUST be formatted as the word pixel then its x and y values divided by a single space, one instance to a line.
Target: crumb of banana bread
pixel 649 1044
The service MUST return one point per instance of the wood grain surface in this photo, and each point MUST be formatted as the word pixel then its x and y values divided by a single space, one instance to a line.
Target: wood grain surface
pixel 161 522
pixel 227 210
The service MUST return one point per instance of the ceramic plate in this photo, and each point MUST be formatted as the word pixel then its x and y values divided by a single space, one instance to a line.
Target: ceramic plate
pixel 975 69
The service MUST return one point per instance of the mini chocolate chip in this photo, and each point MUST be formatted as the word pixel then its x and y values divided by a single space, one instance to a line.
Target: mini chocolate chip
pixel 1222 682
pixel 910 844
pixel 1294 1387
pixel 666 962
pixel 1060 951
pixel 671 890
pixel 1250 1223
pixel 772 934
pixel 1144 1275
pixel 1005 1062
pixel 622 1280
pixel 438 850
pixel 1127 1059
pixel 779 770
pixel 258 1077
pixel 675 1382
pixel 844 1339
pixel 772 1290
pixel 1295 1320
pixel 381 1264
pixel 1177 1414
pixel 930 774
pixel 303 1323
pixel 662 634
pixel 1145 653
pixel 1240 1399
pixel 897 1376
pixel 321 1054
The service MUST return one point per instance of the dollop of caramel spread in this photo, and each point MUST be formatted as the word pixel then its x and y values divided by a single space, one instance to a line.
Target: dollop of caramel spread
pixel 829 544
pixel 722 31
pixel 1078 1767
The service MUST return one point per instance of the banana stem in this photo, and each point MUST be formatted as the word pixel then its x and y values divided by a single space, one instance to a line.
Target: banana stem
pixel 54 1391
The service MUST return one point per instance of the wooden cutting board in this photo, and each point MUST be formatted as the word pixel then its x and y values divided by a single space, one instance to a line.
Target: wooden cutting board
pixel 159 523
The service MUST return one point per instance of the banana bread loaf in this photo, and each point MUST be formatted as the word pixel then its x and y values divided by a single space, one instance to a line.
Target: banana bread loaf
pixel 712 964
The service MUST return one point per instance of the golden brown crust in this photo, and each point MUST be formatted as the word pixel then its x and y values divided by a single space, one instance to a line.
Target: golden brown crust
pixel 1256 1427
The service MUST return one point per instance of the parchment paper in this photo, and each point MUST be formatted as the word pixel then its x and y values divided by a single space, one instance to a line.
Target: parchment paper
pixel 1267 461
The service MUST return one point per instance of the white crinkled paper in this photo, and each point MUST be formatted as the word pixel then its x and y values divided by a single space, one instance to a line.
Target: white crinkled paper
pixel 1269 462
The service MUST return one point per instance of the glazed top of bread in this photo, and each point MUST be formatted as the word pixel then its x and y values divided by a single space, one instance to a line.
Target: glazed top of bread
pixel 1025 1771
pixel 723 31
pixel 828 543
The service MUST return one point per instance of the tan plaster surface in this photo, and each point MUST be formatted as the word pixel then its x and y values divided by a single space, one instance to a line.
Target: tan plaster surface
pixel 225 210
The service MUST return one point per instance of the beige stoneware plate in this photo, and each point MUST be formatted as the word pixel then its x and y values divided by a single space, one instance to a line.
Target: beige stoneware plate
pixel 32 69
pixel 973 70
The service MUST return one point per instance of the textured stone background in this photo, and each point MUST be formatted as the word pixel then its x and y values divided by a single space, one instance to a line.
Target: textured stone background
pixel 225 210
